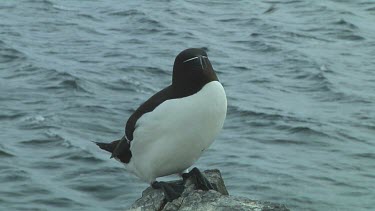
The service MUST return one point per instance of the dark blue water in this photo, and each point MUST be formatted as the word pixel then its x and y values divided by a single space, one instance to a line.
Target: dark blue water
pixel 299 77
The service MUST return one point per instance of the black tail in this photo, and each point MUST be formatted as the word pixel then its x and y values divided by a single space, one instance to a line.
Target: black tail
pixel 120 149
pixel 109 147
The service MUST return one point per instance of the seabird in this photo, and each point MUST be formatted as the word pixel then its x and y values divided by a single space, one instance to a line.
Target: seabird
pixel 170 131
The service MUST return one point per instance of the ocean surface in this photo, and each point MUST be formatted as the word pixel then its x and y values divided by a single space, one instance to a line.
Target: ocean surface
pixel 299 77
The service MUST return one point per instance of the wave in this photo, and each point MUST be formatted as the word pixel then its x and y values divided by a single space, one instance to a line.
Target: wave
pixel 48 78
pixel 42 5
pixel 55 80
pixel 126 13
pixel 48 165
pixel 4 154
pixel 68 84
pixel 293 37
pixel 36 122
pixel 89 171
pixel 238 112
pixel 145 23
pixel 257 45
pixel 292 125
pixel 11 116
pixel 345 30
pixel 350 36
pixel 307 131
pixel 58 202
pixel 287 142
pixel 71 84
pixel 9 54
pixel 81 156
pixel 365 155
pixel 347 24
pixel 341 29
pixel 85 158
pixel 32 188
pixel 322 81
pixel 22 71
pixel 14 175
pixel 88 17
pixel 43 143
pixel 134 84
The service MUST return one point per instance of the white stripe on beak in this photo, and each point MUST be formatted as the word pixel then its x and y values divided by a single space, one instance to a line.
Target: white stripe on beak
pixel 187 60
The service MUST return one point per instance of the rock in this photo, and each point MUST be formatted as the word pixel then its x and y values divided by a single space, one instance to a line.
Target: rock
pixel 191 199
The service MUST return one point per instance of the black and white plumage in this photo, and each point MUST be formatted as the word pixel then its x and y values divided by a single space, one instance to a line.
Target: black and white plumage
pixel 171 130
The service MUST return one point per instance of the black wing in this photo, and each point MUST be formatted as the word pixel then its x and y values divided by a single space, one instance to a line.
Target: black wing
pixel 122 149
pixel 148 106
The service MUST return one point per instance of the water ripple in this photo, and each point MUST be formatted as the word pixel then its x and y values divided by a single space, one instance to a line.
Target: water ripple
pixel 57 202
pixel 9 54
pixel 5 154
pixel 14 175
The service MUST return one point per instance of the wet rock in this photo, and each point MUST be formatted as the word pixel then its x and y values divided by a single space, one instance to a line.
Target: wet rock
pixel 191 199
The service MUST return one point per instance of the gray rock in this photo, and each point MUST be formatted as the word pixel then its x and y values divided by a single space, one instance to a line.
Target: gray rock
pixel 191 199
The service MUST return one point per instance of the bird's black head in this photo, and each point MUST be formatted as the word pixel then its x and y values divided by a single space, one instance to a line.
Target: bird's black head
pixel 192 70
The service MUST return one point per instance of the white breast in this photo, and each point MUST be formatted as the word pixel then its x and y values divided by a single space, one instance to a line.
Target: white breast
pixel 173 136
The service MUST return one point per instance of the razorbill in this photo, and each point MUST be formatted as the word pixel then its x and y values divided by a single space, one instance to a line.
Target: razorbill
pixel 171 130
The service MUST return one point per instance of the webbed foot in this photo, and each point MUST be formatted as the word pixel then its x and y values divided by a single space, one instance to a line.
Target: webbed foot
pixel 200 181
pixel 171 191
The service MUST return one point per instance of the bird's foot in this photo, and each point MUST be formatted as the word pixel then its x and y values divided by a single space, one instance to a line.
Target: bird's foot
pixel 171 191
pixel 200 181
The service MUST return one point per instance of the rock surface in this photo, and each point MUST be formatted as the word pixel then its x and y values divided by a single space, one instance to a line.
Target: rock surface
pixel 199 200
